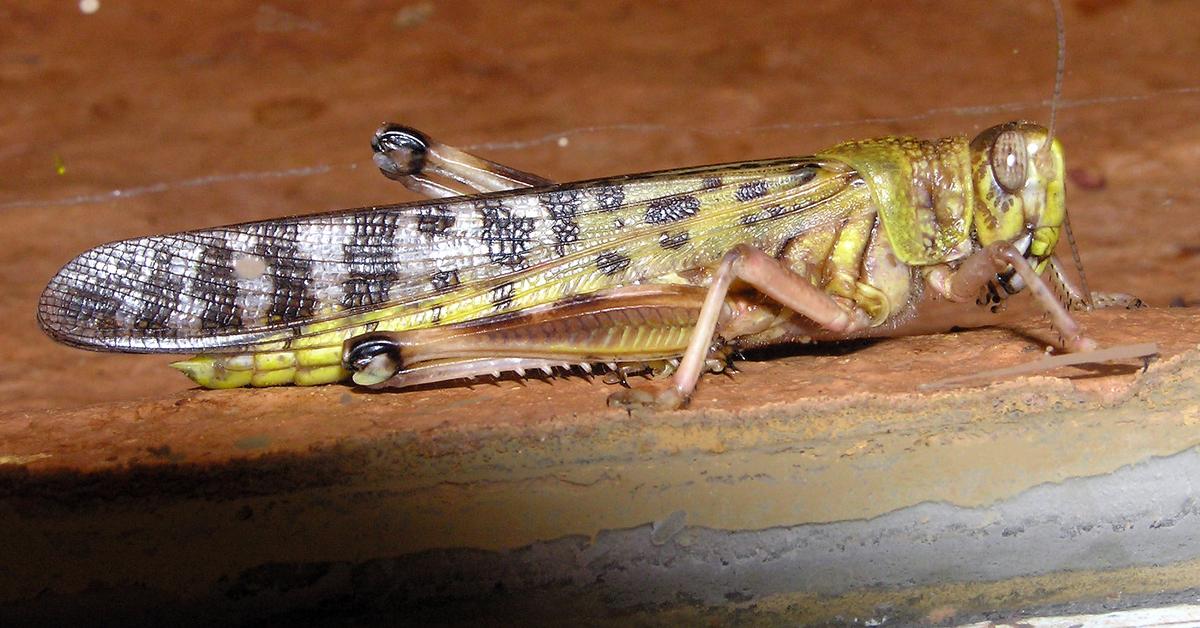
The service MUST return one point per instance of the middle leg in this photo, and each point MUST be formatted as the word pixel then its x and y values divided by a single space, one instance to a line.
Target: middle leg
pixel 770 277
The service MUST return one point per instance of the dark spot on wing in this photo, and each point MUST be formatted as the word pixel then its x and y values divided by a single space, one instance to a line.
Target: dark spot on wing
pixel 95 306
pixel 766 213
pixel 367 289
pixel 444 279
pixel 219 291
pixel 290 271
pixel 157 307
pixel 609 198
pixel 673 240
pixel 672 209
pixel 611 263
pixel 804 174
pixel 562 207
pixel 711 183
pixel 78 302
pixel 507 236
pixel 369 259
pixel 502 296
pixel 435 220
pixel 751 190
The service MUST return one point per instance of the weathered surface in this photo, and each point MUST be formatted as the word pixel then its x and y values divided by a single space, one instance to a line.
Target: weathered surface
pixel 809 487
pixel 211 427
pixel 813 495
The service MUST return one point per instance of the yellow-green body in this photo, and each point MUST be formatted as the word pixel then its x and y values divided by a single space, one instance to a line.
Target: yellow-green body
pixel 864 221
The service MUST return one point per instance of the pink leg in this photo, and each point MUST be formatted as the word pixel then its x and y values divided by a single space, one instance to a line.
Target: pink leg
pixel 765 274
pixel 975 271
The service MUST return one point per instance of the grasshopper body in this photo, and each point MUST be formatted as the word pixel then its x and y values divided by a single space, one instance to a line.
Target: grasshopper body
pixel 671 268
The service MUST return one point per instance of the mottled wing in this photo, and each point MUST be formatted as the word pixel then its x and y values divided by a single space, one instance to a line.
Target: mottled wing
pixel 228 288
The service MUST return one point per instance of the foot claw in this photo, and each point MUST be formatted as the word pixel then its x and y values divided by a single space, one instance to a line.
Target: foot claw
pixel 647 397
pixel 1080 344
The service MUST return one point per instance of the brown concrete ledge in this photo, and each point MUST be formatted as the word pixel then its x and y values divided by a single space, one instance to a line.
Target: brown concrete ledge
pixel 807 487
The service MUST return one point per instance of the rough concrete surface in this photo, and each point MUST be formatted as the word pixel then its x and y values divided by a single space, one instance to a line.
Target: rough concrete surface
pixel 816 485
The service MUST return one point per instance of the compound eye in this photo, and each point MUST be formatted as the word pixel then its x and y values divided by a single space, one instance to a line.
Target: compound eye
pixel 1009 160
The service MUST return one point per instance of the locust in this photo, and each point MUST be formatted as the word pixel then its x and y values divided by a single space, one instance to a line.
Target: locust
pixel 502 270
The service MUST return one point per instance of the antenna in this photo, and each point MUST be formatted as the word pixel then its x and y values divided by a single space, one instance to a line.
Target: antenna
pixel 1059 72
pixel 1061 66
pixel 1083 284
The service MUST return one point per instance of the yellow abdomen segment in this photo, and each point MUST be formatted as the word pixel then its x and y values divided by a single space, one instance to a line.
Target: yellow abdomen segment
pixel 302 367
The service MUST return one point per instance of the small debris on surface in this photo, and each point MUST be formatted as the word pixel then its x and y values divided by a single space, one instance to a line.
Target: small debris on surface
pixel 18 459
pixel 1087 178
pixel 1186 251
pixel 252 442
pixel 271 19
pixel 413 15
pixel 661 531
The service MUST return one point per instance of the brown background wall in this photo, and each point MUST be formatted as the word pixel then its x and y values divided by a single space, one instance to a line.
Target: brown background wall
pixel 119 480
pixel 203 114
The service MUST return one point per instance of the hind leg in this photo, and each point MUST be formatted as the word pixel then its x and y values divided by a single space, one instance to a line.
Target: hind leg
pixel 436 170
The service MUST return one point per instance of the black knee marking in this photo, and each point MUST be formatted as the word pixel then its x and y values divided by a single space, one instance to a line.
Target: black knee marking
pixel 359 352
pixel 400 151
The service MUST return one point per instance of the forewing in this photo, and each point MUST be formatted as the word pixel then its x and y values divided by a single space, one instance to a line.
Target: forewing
pixel 231 287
